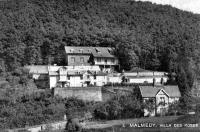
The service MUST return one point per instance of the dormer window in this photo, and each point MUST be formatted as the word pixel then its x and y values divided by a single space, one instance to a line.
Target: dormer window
pixel 81 59
pixel 109 50
pixel 97 50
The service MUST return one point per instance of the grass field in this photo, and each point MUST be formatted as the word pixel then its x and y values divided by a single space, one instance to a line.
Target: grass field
pixel 187 123
pixel 117 125
pixel 121 129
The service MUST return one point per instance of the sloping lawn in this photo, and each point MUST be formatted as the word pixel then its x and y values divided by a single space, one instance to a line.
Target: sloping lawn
pixel 187 119
pixel 117 125
pixel 120 129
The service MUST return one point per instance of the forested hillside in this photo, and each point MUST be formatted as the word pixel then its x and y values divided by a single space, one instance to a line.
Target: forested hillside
pixel 150 36
pixel 145 35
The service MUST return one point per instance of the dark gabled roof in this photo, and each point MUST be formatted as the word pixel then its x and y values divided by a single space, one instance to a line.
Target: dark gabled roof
pixel 172 90
pixel 95 51
pixel 150 91
pixel 38 69
pixel 102 52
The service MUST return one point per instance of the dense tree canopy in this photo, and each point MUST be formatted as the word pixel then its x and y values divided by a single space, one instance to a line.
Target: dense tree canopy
pixel 147 35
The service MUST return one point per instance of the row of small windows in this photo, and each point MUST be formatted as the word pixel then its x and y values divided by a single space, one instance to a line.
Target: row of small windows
pixel 81 77
pixel 73 59
pixel 97 50
pixel 63 84
pixel 80 51
pixel 98 60
pixel 105 60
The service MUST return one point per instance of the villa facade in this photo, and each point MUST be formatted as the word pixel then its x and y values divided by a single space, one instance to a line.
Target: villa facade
pixel 162 96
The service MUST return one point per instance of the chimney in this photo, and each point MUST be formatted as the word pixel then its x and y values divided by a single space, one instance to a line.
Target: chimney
pixel 154 81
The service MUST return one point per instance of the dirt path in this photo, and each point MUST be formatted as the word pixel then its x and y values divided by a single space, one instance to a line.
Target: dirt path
pixel 106 124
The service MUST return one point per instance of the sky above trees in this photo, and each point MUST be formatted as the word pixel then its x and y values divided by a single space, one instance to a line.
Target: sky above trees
pixel 187 5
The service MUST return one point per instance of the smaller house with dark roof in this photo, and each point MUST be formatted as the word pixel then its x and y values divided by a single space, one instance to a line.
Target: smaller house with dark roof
pixel 162 96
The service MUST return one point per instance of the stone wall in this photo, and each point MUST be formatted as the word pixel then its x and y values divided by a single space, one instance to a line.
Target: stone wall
pixel 84 93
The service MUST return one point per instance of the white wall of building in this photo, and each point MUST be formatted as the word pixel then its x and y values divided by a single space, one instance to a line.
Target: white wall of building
pixel 78 81
pixel 75 81
pixel 162 97
pixel 148 73
pixel 75 68
pixel 53 81
pixel 106 61
pixel 112 79
pixel 100 80
pixel 147 79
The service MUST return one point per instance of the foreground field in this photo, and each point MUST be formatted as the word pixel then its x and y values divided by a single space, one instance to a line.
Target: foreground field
pixel 121 129
pixel 111 123
pixel 124 125
pixel 185 123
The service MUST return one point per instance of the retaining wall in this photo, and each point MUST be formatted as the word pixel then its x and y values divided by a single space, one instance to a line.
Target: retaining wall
pixel 84 93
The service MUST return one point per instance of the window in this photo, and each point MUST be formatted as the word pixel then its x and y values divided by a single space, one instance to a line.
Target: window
pixel 68 77
pixel 98 59
pixel 162 100
pixel 82 59
pixel 88 76
pixel 97 50
pixel 105 61
pixel 72 59
pixel 113 60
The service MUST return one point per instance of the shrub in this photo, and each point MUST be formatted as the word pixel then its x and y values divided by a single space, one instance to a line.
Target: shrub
pixel 119 107
pixel 31 110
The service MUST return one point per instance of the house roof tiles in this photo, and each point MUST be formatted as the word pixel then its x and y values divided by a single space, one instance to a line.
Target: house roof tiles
pixel 150 91
pixel 95 51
